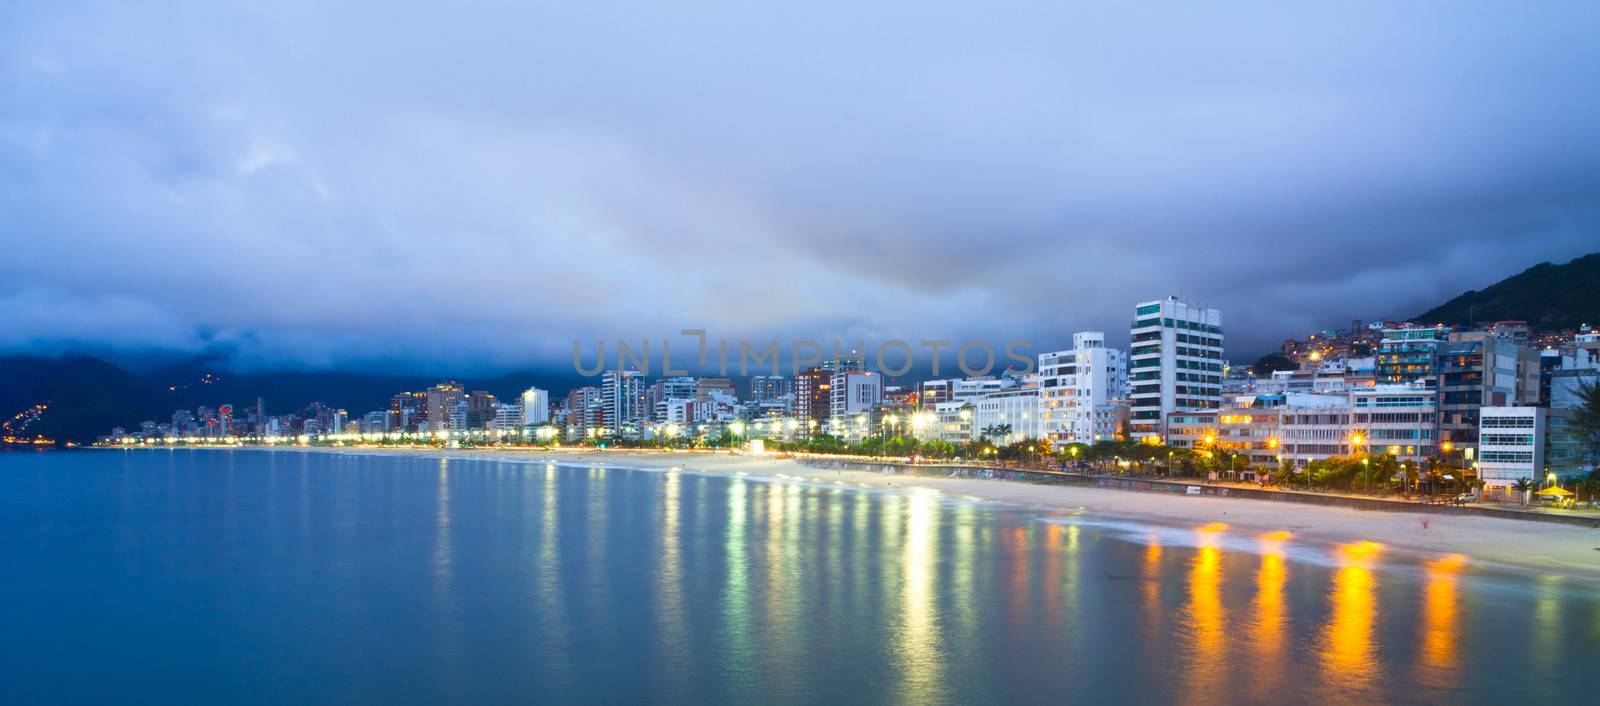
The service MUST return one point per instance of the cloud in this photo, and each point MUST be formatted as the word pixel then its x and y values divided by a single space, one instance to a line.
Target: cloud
pixel 333 186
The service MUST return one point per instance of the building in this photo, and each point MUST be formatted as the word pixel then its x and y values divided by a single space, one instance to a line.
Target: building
pixel 813 394
pixel 768 388
pixel 1510 447
pixel 705 386
pixel 1407 354
pixel 1078 387
pixel 508 416
pixel 535 406
pixel 667 391
pixel 481 410
pixel 621 401
pixel 408 412
pixel 854 392
pixel 947 421
pixel 582 411
pixel 1397 420
pixel 441 404
pixel 1007 416
pixel 1252 432
pixel 1174 362
pixel 1194 431
pixel 1475 370
pixel 1314 427
pixel 932 393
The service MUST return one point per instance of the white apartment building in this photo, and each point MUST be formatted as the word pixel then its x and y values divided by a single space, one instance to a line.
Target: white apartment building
pixel 932 393
pixel 508 416
pixel 718 407
pixel 952 422
pixel 1398 420
pixel 1016 410
pixel 621 398
pixel 1313 427
pixel 1174 362
pixel 854 392
pixel 1510 446
pixel 1076 389
pixel 679 410
pixel 535 406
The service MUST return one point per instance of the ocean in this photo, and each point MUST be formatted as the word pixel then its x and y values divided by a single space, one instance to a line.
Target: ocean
pixel 262 577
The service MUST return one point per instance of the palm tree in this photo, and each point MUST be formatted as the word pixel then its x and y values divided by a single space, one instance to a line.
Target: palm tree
pixel 1524 486
pixel 1409 471
pixel 1585 422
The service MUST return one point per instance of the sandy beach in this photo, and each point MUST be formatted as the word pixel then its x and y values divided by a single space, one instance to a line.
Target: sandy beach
pixel 1549 548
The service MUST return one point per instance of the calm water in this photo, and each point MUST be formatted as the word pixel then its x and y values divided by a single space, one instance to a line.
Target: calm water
pixel 194 577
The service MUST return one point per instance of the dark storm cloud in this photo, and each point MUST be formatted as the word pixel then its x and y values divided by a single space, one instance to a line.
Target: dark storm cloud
pixel 315 185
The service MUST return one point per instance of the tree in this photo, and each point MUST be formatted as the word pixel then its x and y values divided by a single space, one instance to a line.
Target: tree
pixel 1270 363
pixel 1585 423
pixel 1384 469
pixel 993 431
pixel 1410 473
pixel 938 448
pixel 1523 486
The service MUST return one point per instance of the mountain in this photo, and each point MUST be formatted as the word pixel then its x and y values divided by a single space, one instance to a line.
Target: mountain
pixel 84 394
pixel 88 396
pixel 1547 296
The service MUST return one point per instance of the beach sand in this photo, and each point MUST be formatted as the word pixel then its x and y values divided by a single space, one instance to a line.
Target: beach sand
pixel 1550 548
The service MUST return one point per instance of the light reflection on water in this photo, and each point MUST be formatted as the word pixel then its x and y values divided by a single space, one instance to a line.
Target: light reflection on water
pixel 1350 670
pixel 1206 669
pixel 413 581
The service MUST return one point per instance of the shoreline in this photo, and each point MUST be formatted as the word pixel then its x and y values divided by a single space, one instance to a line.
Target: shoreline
pixel 1487 542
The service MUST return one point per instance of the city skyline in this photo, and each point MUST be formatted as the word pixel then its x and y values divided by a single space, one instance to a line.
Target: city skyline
pixel 381 197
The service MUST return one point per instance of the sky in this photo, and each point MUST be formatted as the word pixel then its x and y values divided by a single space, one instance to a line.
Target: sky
pixel 408 185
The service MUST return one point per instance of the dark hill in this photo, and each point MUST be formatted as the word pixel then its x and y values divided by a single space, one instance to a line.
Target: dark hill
pixel 88 396
pixel 1547 296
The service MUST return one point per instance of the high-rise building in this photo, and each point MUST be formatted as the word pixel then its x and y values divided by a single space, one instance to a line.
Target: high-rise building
pixel 1174 362
pixel 622 400
pixel 535 406
pixel 480 410
pixel 853 392
pixel 1475 370
pixel 813 398
pixel 768 388
pixel 408 411
pixel 582 411
pixel 1077 387
pixel 1406 354
pixel 666 392
pixel 442 399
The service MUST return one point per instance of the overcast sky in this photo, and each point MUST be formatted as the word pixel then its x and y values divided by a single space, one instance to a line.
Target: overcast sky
pixel 375 184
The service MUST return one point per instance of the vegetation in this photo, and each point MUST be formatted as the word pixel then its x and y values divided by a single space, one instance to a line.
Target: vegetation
pixel 1270 363
pixel 1585 425
pixel 1547 296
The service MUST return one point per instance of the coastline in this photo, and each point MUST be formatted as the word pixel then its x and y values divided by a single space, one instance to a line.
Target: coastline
pixel 1485 542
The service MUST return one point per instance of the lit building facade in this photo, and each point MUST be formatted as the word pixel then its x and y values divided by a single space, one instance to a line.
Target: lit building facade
pixel 1174 363
pixel 1077 388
